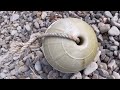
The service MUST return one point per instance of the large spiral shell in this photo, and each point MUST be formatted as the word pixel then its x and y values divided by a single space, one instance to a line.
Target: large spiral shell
pixel 64 54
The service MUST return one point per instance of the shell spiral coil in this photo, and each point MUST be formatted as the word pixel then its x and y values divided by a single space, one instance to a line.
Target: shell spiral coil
pixel 66 55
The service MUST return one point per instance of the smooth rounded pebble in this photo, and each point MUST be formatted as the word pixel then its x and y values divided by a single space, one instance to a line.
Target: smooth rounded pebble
pixel 108 14
pixel 37 66
pixel 77 76
pixel 36 25
pixel 14 17
pixel 111 64
pixel 103 27
pixel 116 75
pixel 114 31
pixel 27 27
pixel 91 68
pixel 44 14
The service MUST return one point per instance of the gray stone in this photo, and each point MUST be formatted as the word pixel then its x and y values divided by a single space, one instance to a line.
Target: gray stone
pixel 116 75
pixel 77 76
pixel 37 66
pixel 52 75
pixel 116 43
pixel 13 32
pixel 103 73
pixel 95 28
pixel 112 64
pixel 14 17
pixel 47 68
pixel 44 14
pixel 23 69
pixel 103 66
pixel 114 48
pixel 27 27
pixel 36 25
pixel 95 76
pixel 114 31
pixel 91 68
pixel 108 14
pixel 86 77
pixel 116 53
pixel 2 75
pixel 100 77
pixel 100 37
pixel 103 27
pixel 19 28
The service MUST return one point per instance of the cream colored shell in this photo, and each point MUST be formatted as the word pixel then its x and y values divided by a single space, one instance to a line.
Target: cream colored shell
pixel 64 54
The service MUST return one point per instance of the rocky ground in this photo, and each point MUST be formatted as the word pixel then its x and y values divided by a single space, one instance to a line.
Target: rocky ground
pixel 19 25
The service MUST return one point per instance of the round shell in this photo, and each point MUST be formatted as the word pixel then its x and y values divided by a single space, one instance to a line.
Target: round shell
pixel 64 54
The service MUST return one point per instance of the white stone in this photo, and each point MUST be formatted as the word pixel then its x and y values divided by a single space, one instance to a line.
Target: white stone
pixel 43 16
pixel 13 32
pixel 91 68
pixel 116 75
pixel 114 31
pixel 14 17
pixel 27 27
pixel 108 14
pixel 77 76
pixel 37 66
pixel 3 75
pixel 36 25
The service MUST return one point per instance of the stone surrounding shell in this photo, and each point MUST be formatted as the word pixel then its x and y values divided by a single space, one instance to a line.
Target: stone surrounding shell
pixel 64 54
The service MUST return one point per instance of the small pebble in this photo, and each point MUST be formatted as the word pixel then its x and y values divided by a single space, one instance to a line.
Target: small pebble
pixel 103 73
pixel 77 76
pixel 13 32
pixel 23 69
pixel 2 75
pixel 116 75
pixel 86 77
pixel 14 17
pixel 44 14
pixel 116 53
pixel 36 25
pixel 37 66
pixel 114 31
pixel 114 48
pixel 95 76
pixel 97 56
pixel 103 27
pixel 111 64
pixel 116 43
pixel 100 37
pixel 95 28
pixel 108 14
pixel 91 68
pixel 103 66
pixel 27 26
